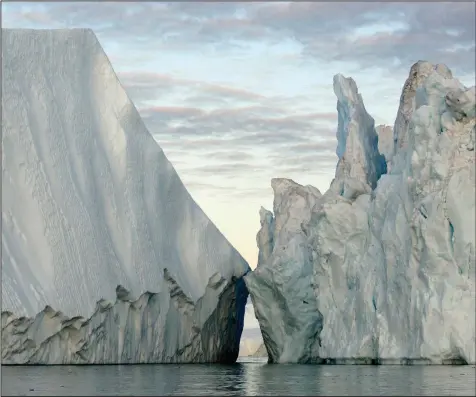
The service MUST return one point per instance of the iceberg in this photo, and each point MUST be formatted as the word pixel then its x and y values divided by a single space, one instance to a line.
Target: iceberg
pixel 106 258
pixel 260 352
pixel 381 267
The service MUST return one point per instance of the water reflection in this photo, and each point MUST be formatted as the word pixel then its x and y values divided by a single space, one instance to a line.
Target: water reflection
pixel 330 380
pixel 212 380
pixel 252 378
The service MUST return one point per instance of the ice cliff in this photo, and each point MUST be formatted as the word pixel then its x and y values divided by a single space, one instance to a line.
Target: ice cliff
pixel 381 268
pixel 106 258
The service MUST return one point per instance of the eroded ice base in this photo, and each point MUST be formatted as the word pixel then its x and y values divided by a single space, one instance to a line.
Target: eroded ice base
pixel 155 328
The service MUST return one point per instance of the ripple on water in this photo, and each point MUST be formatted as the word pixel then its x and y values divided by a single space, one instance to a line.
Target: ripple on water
pixel 253 378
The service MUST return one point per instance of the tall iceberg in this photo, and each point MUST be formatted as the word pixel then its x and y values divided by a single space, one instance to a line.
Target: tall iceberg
pixel 380 268
pixel 106 258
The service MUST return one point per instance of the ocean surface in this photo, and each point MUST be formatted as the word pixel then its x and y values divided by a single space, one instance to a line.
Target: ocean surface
pixel 248 377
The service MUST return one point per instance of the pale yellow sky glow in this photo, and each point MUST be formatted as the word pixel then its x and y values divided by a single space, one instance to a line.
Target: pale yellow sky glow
pixel 238 218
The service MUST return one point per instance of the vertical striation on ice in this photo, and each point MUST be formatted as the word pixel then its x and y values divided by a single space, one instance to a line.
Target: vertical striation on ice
pixel 106 258
pixel 382 268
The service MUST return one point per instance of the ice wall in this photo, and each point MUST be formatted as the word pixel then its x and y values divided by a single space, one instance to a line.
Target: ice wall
pixel 385 273
pixel 106 258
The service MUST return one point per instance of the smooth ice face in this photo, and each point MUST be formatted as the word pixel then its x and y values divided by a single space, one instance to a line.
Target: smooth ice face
pixel 90 202
pixel 388 274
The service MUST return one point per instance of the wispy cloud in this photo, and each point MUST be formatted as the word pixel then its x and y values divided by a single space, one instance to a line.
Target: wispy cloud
pixel 362 32
pixel 234 130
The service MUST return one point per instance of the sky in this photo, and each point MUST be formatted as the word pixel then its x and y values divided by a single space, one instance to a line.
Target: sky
pixel 239 93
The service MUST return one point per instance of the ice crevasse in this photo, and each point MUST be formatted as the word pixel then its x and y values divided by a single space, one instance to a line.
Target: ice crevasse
pixel 380 268
pixel 106 258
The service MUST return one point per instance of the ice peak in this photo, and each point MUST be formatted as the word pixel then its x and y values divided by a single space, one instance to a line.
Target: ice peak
pixel 265 215
pixel 419 72
pixel 265 236
pixel 286 191
pixel 281 185
pixel 346 89
pixel 357 140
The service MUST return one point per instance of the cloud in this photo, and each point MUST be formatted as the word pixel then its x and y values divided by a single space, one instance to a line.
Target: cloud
pixel 171 112
pixel 251 330
pixel 244 129
pixel 231 119
pixel 321 146
pixel 211 131
pixel 224 155
pixel 244 143
pixel 222 190
pixel 371 34
pixel 241 127
pixel 224 169
pixel 313 157
pixel 379 34
pixel 238 93
pixel 235 134
pixel 160 82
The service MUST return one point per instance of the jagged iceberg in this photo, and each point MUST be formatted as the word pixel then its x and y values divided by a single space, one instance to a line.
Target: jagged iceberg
pixel 105 256
pixel 381 268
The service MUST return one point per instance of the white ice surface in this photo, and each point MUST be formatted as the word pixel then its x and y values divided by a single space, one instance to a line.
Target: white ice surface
pixel 386 273
pixel 89 200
